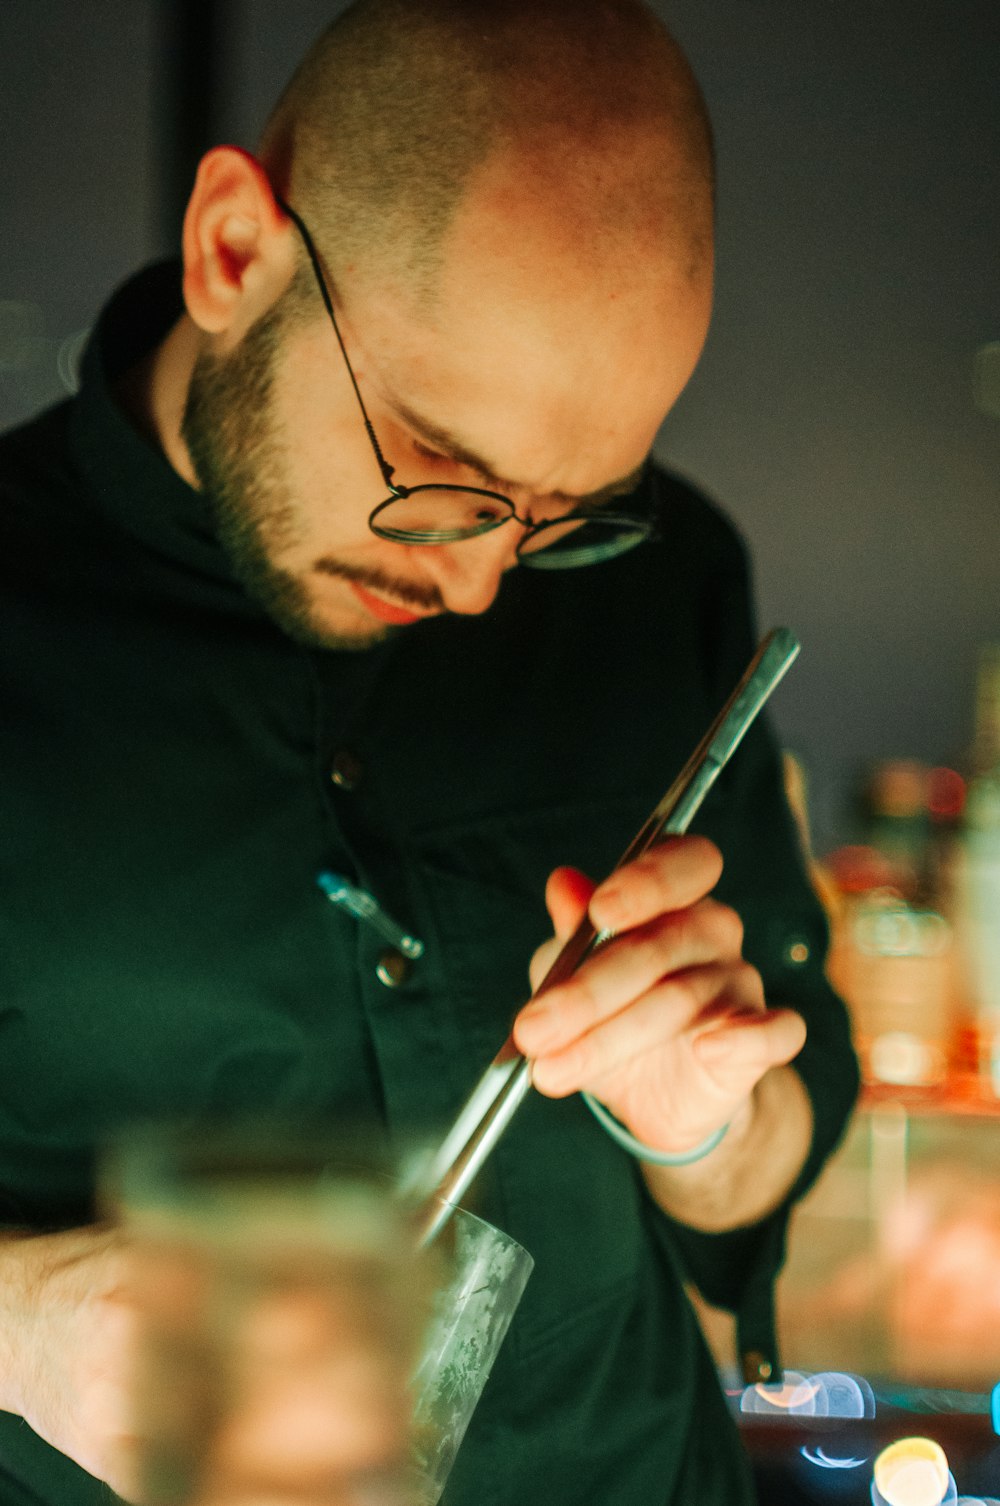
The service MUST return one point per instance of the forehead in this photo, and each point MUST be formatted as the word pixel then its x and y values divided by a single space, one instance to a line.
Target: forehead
pixel 538 358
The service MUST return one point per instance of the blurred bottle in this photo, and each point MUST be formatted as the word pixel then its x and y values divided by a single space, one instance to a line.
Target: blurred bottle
pixel 897 821
pixel 978 870
pixel 893 957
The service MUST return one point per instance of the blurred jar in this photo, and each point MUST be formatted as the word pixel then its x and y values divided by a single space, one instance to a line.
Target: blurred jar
pixel 894 965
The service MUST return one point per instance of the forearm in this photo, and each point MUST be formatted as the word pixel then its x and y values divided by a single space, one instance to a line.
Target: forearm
pixel 752 1170
pixel 19 1251
pixel 68 1336
pixel 30 1270
pixel 86 1314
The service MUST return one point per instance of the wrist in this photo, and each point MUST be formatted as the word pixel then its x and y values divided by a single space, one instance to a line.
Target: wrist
pixel 755 1167
pixel 652 1154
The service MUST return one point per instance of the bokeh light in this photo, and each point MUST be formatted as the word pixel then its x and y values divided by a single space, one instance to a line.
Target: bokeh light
pixel 829 1393
pixel 845 1395
pixel 796 1396
pixel 950 1497
pixel 946 794
pixel 68 359
pixel 913 1472
pixel 823 1460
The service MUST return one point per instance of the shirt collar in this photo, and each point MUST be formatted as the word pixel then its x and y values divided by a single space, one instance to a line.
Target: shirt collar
pixel 130 478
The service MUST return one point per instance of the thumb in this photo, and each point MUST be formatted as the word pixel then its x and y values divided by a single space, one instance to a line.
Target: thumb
pixel 567 895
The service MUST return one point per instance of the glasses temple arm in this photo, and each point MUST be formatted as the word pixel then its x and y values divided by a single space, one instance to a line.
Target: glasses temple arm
pixel 307 241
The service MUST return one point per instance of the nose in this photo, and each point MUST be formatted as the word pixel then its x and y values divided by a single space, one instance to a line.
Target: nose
pixel 468 574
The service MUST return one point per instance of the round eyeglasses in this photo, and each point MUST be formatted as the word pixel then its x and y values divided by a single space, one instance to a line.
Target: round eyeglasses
pixel 436 512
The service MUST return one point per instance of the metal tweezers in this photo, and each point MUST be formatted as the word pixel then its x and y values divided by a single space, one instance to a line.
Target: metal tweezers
pixel 506 1081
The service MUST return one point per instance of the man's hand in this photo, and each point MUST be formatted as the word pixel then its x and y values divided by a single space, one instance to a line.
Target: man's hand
pixel 67 1345
pixel 665 1023
pixel 291 1389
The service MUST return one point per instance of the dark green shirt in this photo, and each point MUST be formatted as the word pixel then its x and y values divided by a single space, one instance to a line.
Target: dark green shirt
pixel 166 803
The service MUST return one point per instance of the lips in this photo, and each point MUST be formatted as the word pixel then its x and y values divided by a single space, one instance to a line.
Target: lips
pixel 385 611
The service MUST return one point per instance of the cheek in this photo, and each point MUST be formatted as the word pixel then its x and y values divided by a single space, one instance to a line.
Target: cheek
pixel 330 492
pixel 328 461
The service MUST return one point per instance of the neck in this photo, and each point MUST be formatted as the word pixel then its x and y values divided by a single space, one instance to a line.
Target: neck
pixel 154 391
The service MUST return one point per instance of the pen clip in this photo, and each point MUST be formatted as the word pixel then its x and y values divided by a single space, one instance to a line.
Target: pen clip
pixel 363 906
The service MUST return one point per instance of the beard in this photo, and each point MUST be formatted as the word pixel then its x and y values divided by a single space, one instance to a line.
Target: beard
pixel 241 462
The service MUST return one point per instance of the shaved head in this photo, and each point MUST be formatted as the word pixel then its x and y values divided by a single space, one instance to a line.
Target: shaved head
pixel 402 109
pixel 511 203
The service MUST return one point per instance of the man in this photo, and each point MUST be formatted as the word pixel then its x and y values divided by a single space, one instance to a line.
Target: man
pixel 473 257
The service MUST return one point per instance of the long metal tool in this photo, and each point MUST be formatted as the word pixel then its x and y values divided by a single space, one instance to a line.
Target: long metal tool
pixel 506 1081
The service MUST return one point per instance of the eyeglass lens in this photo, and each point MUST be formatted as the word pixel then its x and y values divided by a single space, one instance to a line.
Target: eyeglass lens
pixel 439 514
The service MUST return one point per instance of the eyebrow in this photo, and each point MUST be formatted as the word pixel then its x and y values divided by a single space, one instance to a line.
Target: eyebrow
pixel 449 444
pixel 452 447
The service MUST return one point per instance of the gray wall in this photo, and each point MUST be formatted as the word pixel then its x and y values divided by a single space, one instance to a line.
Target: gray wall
pixel 833 411
pixel 77 196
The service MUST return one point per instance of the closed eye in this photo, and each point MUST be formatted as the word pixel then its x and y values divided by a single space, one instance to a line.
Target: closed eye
pixel 483 478
pixel 605 498
pixel 428 454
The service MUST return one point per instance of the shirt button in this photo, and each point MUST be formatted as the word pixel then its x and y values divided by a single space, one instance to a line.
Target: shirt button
pixel 797 951
pixel 346 770
pixel 393 968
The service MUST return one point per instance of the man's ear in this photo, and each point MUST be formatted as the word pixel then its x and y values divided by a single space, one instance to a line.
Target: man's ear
pixel 237 244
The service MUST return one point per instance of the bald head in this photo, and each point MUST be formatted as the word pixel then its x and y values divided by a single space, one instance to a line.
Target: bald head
pixel 405 110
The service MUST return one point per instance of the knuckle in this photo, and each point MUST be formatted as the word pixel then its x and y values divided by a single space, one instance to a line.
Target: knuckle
pixel 727 926
pixel 583 1000
pixel 585 1059
pixel 667 941
pixel 679 1000
pixel 647 878
pixel 676 928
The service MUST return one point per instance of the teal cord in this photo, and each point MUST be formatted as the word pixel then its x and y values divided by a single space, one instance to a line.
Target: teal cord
pixel 635 1147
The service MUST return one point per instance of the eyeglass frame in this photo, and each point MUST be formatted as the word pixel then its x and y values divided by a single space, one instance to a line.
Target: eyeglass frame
pixel 641 528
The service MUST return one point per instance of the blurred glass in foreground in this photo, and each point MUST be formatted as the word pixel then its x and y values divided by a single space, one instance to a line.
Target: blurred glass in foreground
pixel 281 1308
pixel 295 1347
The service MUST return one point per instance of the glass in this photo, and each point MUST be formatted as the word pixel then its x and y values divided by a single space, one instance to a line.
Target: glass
pixel 281 1307
pixel 436 513
pixel 285 1313
pixel 470 1319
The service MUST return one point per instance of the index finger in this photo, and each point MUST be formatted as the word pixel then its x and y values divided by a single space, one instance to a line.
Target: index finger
pixel 672 875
